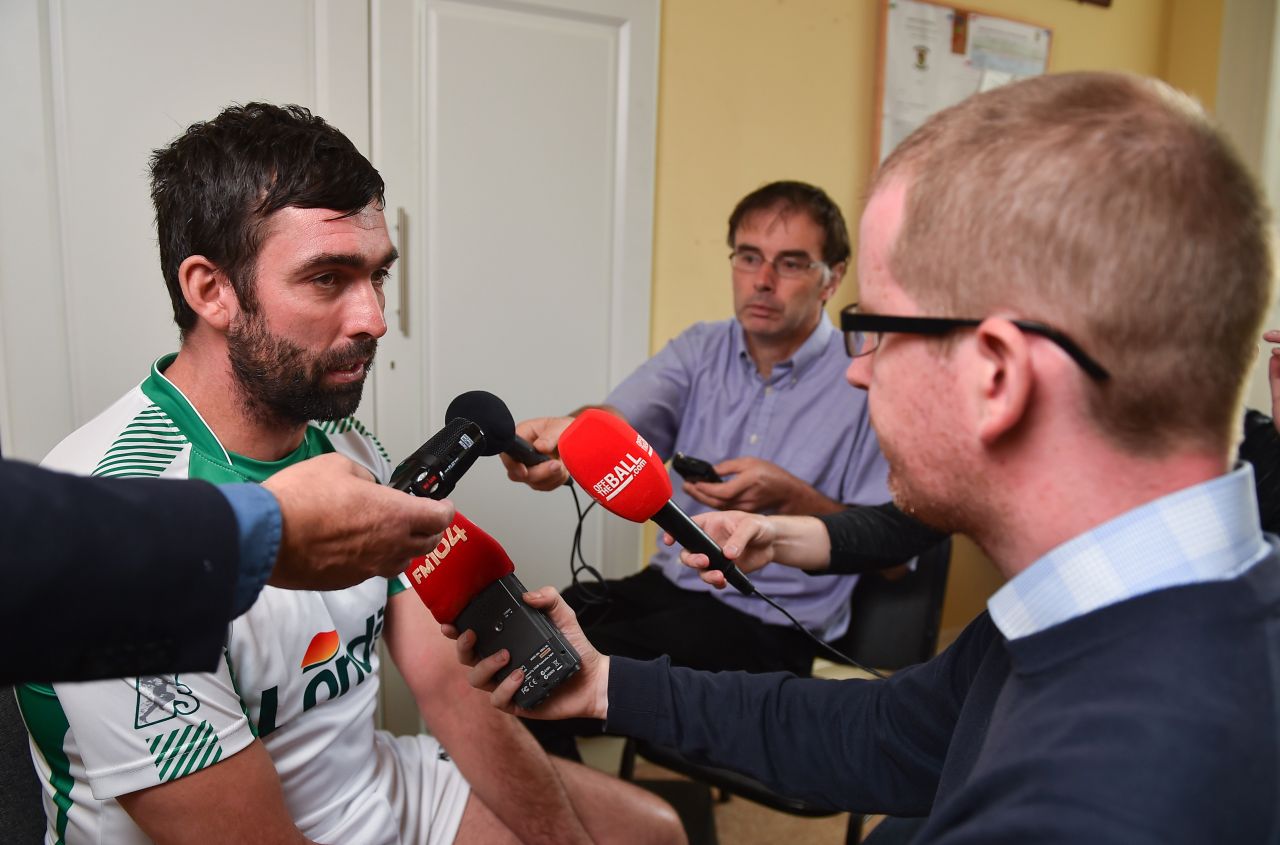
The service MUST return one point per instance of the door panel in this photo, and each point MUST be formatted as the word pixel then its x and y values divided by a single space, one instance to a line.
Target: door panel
pixel 528 187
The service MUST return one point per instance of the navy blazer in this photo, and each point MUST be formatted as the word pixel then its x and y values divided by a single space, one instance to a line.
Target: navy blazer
pixel 103 578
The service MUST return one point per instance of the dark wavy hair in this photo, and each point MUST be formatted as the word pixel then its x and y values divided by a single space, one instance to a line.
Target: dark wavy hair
pixel 215 186
pixel 790 197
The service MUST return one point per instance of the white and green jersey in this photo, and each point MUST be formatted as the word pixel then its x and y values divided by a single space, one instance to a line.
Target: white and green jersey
pixel 300 669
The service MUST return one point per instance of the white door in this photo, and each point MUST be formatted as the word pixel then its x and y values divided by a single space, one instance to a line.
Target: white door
pixel 518 140
pixel 89 90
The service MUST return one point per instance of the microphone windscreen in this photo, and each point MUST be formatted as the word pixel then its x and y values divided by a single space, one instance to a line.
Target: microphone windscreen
pixel 464 563
pixel 614 464
pixel 490 413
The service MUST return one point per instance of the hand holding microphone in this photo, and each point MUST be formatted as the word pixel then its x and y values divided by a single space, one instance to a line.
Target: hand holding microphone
pixel 747 539
pixel 617 468
pixel 542 434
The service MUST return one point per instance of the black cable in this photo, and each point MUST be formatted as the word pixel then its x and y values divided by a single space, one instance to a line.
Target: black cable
pixel 598 593
pixel 592 593
pixel 827 647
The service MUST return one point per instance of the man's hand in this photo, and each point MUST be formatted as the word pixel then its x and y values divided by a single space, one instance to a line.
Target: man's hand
pixel 341 528
pixel 585 694
pixel 756 485
pixel 745 538
pixel 1273 371
pixel 544 435
pixel 751 541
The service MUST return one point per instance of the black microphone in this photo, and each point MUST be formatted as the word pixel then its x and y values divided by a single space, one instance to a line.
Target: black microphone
pixel 494 418
pixel 435 467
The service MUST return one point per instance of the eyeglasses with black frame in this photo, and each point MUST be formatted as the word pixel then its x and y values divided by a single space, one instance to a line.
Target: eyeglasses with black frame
pixel 788 265
pixel 862 334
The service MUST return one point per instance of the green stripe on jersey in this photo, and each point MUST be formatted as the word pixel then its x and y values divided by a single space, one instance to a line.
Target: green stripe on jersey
pixel 148 444
pixel 185 750
pixel 48 726
pixel 346 424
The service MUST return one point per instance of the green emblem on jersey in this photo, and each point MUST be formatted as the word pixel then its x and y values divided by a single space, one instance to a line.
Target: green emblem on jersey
pixel 185 750
pixel 161 698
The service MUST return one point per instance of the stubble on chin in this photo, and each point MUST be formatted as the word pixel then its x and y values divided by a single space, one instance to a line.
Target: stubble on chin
pixel 935 491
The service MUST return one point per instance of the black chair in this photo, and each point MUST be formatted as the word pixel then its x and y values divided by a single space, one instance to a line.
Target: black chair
pixel 21 810
pixel 894 624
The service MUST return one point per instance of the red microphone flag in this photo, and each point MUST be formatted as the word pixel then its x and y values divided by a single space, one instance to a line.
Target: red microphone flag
pixel 614 464
pixel 458 569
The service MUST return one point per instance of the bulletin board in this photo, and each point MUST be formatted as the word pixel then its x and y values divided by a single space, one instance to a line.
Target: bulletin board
pixel 934 54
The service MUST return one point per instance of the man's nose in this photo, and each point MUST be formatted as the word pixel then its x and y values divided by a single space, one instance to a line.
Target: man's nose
pixel 859 372
pixel 365 312
pixel 767 278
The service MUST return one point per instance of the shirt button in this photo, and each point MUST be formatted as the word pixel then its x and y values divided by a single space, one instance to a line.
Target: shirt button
pixel 768 390
pixel 755 438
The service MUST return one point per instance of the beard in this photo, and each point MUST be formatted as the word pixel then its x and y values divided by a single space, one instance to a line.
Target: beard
pixel 282 383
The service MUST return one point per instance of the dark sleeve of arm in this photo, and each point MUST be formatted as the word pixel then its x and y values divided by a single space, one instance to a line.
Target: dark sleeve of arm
pixel 1261 447
pixel 871 537
pixel 865 746
pixel 103 578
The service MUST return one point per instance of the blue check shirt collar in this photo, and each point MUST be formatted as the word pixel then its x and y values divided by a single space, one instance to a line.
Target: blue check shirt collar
pixel 793 368
pixel 1207 532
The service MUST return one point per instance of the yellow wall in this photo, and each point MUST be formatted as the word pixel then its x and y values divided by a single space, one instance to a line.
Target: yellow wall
pixel 1191 52
pixel 756 90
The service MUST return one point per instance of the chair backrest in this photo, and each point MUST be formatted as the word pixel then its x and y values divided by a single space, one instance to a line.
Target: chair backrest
pixel 21 811
pixel 895 623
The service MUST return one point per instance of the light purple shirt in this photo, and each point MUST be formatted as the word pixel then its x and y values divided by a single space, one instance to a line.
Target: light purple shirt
pixel 703 396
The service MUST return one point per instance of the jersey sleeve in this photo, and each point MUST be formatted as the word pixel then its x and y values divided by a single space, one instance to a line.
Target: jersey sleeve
pixel 138 732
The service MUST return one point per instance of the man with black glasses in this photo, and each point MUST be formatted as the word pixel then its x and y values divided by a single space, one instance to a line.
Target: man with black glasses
pixel 758 396
pixel 1062 282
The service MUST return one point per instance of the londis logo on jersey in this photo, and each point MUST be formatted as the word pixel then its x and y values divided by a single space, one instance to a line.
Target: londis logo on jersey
pixel 333 676
pixel 331 671
pixel 616 480
pixel 453 536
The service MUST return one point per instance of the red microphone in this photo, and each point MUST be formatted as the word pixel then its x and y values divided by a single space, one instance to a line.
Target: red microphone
pixel 621 471
pixel 468 581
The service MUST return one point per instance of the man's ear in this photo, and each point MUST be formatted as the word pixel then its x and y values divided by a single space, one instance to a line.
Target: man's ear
pixel 832 284
pixel 208 291
pixel 1004 378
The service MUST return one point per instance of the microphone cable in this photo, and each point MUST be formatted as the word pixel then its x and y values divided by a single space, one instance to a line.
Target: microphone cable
pixel 824 646
pixel 596 591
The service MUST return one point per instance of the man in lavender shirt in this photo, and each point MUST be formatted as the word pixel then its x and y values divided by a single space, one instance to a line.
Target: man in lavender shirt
pixel 761 397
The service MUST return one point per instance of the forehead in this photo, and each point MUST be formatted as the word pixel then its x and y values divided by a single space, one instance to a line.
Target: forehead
pixel 878 231
pixel 789 227
pixel 296 233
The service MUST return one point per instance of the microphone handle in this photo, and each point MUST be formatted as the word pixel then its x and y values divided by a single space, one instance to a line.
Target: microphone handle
pixel 687 533
pixel 522 450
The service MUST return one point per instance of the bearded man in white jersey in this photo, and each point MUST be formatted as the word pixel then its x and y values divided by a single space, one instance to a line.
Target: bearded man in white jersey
pixel 275 252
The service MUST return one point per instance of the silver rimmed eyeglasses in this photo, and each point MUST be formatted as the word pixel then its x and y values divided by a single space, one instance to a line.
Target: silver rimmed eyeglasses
pixel 862 334
pixel 788 265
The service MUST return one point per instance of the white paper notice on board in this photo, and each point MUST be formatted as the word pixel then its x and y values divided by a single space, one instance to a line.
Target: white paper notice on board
pixel 936 55
pixel 1007 47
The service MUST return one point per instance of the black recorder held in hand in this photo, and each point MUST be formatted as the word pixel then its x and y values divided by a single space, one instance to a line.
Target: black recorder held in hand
pixel 469 582
pixel 694 469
